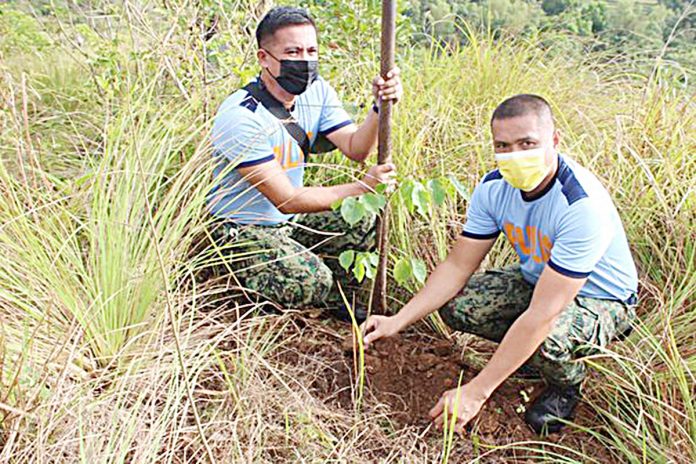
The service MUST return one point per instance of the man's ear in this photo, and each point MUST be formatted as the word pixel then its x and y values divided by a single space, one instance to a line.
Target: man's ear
pixel 263 58
pixel 556 138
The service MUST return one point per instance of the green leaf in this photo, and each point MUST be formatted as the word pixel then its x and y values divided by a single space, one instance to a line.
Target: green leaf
pixel 346 259
pixel 365 265
pixel 420 272
pixel 336 204
pixel 352 210
pixel 381 188
pixel 406 191
pixel 402 271
pixel 460 188
pixel 370 271
pixel 438 191
pixel 421 198
pixel 359 270
pixel 373 202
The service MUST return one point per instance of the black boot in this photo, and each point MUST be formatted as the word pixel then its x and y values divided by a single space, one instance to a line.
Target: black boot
pixel 341 313
pixel 553 404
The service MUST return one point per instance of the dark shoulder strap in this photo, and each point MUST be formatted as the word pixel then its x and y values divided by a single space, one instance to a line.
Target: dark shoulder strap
pixel 278 110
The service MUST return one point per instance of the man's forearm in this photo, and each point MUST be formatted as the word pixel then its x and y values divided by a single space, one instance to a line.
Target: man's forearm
pixel 316 199
pixel 364 139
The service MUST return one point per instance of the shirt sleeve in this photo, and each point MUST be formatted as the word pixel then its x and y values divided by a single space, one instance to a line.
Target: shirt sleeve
pixel 333 115
pixel 584 235
pixel 239 136
pixel 480 223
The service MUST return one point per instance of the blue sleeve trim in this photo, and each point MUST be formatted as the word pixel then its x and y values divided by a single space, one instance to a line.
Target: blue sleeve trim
pixel 250 103
pixel 493 175
pixel 481 236
pixel 572 189
pixel 247 164
pixel 336 127
pixel 567 272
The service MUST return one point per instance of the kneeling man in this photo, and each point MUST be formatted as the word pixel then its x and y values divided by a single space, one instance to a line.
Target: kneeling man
pixel 281 238
pixel 573 291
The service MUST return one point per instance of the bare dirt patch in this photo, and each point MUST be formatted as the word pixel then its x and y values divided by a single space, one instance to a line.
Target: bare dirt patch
pixel 404 378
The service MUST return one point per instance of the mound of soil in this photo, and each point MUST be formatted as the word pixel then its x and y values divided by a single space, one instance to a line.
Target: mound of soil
pixel 404 377
pixel 409 374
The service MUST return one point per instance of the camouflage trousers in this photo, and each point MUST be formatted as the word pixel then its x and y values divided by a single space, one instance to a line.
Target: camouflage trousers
pixel 296 264
pixel 493 300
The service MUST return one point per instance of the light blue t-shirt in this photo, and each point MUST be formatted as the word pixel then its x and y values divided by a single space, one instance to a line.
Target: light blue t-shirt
pixel 245 133
pixel 573 227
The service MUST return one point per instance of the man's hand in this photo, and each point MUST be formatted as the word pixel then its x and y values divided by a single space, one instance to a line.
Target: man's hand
pixel 376 327
pixel 390 89
pixel 380 174
pixel 467 407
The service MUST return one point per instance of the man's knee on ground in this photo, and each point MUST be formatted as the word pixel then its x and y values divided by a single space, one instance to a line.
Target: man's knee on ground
pixel 294 278
pixel 303 287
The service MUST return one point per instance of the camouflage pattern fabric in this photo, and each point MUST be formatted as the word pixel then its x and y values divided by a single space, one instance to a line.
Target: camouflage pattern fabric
pixel 494 299
pixel 296 264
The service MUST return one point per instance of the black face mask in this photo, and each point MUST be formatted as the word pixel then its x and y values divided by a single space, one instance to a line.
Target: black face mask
pixel 296 75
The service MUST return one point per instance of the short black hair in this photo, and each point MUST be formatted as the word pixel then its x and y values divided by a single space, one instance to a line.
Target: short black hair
pixel 520 105
pixel 279 17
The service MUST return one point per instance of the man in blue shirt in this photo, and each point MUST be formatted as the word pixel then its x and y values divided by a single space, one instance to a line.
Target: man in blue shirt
pixel 573 291
pixel 263 135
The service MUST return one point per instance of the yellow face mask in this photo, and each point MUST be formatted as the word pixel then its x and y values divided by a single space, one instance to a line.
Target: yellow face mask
pixel 524 169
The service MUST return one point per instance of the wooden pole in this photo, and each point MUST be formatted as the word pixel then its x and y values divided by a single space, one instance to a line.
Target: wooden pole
pixel 384 145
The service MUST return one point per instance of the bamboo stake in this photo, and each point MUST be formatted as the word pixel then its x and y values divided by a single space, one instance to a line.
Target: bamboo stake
pixel 384 145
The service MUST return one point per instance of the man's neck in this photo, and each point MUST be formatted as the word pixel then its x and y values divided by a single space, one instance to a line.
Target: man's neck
pixel 286 98
pixel 532 195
